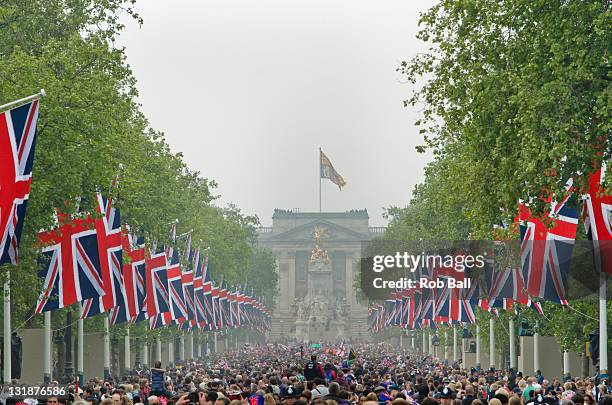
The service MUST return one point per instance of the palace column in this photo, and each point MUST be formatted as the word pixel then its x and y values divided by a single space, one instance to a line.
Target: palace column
pixel 348 278
pixel 286 284
pixel 291 289
pixel 286 266
pixel 283 280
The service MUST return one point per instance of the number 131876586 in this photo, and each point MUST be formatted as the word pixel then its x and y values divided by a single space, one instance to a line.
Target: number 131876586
pixel 34 391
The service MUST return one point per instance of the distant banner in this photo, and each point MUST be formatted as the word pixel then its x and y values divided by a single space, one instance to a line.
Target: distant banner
pixel 328 172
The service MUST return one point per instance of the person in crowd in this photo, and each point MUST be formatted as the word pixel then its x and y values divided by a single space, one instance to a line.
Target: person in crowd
pixel 158 380
pixel 313 369
pixel 274 374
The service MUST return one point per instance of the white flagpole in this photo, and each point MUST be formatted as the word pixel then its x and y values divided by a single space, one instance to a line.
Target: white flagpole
pixel 603 326
pixel 492 342
pixel 47 349
pixel 182 347
pixel 158 349
pixel 24 100
pixel 106 348
pixel 190 345
pixel 171 352
pixel 424 338
pixel 536 350
pixel 145 353
pixel 80 365
pixel 319 171
pixel 7 330
pixel 128 357
pixel 455 346
pixel 478 346
pixel 512 343
pixel 445 344
pixel 566 364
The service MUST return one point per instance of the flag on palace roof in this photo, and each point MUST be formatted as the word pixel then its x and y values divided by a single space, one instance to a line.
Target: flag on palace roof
pixel 328 171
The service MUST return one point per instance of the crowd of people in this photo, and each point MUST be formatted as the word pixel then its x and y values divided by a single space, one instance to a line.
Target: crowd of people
pixel 294 374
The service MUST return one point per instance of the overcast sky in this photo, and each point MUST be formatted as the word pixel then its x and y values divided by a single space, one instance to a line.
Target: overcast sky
pixel 248 90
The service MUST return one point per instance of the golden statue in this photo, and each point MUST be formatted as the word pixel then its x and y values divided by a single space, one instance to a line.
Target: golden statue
pixel 318 254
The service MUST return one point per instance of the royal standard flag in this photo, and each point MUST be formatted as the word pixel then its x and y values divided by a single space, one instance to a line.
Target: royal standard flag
pixel 328 172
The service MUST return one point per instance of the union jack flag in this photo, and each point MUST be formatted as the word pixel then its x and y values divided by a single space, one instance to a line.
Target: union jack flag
pixel 597 210
pixel 157 297
pixel 443 298
pixel 200 311
pixel 71 265
pixel 375 318
pixel 237 304
pixel 214 296
pixel 210 295
pixel 241 298
pixel 427 306
pixel 188 288
pixel 546 252
pixel 178 308
pixel 160 320
pixel 17 141
pixel 225 319
pixel 134 276
pixel 110 246
pixel 507 288
pixel 393 309
pixel 409 300
pixel 247 308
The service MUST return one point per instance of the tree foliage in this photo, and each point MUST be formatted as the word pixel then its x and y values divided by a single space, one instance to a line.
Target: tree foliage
pixel 516 100
pixel 517 93
pixel 91 125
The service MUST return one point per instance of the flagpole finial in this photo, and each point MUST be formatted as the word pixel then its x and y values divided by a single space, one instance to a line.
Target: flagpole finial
pixel 43 93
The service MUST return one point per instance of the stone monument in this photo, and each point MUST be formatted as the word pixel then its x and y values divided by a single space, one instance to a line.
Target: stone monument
pixel 290 239
pixel 319 316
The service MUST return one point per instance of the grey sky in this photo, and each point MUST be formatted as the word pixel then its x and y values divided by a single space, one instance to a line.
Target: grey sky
pixel 248 91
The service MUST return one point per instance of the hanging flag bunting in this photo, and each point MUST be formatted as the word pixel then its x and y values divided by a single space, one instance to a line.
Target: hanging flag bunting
pixel 17 142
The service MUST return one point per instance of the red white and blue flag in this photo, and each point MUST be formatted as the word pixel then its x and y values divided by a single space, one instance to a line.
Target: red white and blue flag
pixel 597 211
pixel 70 264
pixel 188 288
pixel 207 313
pixel 160 320
pixel 133 276
pixel 200 311
pixel 178 308
pixel 224 308
pixel 215 292
pixel 17 141
pixel 157 296
pixel 507 288
pixel 546 251
pixel 110 246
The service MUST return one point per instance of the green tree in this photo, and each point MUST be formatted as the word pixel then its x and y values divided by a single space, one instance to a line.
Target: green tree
pixel 518 93
pixel 91 130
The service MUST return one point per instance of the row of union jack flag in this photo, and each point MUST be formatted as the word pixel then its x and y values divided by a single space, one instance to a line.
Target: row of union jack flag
pixel 546 247
pixel 82 258
pixel 429 307
pixel 82 261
